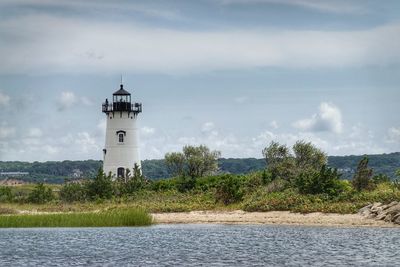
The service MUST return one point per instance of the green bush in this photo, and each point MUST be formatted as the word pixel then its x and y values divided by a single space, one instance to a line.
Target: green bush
pixel 101 187
pixel 229 189
pixel 185 184
pixel 73 192
pixel 41 194
pixel 6 194
pixel 163 184
pixel 326 181
pixel 380 178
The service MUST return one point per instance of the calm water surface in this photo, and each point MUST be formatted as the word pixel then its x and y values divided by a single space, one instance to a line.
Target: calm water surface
pixel 201 245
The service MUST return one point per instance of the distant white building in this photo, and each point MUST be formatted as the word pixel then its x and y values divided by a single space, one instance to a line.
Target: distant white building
pixel 121 151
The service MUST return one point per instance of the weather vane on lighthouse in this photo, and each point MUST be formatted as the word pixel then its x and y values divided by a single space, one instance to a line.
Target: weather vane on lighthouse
pixel 121 151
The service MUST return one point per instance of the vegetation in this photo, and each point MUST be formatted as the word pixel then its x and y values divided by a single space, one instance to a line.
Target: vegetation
pixel 192 163
pixel 295 179
pixel 362 178
pixel 116 218
pixel 41 194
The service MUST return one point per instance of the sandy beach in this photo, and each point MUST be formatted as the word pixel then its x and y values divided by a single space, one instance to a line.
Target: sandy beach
pixel 268 218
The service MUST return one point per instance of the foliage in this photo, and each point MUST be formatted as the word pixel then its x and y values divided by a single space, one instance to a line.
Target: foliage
pixel 326 181
pixel 229 189
pixel 362 177
pixel 279 160
pixel 41 194
pixel 71 192
pixel 131 182
pixel 193 161
pixel 285 165
pixel 114 218
pixel 308 157
pixel 6 194
pixel 185 184
pixel 380 178
pixel 101 187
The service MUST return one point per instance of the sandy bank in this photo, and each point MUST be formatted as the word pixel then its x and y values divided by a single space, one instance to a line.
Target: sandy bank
pixel 273 217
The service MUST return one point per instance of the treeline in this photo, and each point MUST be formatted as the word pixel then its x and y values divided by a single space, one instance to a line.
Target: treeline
pixel 58 172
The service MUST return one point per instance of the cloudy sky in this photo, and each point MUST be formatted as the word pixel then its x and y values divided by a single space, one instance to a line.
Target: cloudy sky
pixel 231 74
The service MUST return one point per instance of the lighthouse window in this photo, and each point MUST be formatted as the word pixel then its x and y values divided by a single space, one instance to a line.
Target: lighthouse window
pixel 121 137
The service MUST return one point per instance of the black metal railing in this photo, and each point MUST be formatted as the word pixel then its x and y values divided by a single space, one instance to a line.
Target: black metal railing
pixel 122 106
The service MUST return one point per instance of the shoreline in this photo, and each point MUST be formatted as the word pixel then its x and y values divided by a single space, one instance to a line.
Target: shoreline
pixel 285 218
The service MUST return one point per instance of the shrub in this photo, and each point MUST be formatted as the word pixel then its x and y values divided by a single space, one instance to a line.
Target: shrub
pixel 185 184
pixel 131 183
pixel 229 189
pixel 163 184
pixel 41 194
pixel 277 185
pixel 326 181
pixel 380 178
pixel 101 187
pixel 5 194
pixel 73 192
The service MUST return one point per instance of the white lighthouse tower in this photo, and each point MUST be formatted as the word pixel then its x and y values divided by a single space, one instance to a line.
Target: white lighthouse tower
pixel 122 148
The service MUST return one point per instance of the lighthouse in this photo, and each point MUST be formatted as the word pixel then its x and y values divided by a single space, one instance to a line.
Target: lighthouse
pixel 121 151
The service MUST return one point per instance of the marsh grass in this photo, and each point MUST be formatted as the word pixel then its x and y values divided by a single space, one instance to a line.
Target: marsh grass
pixel 114 218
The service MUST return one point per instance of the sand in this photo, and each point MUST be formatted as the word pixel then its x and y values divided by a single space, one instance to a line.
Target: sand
pixel 268 218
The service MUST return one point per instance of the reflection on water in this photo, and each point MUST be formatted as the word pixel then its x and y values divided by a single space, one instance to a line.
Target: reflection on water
pixel 200 245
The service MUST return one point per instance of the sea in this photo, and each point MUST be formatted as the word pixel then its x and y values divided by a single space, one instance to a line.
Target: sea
pixel 201 245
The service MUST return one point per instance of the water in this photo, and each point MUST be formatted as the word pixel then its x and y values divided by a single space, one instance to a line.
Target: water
pixel 201 245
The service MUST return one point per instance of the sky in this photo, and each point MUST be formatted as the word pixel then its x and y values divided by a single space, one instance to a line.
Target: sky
pixel 231 74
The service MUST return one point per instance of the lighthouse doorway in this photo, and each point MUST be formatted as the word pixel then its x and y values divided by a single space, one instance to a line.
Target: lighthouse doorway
pixel 121 172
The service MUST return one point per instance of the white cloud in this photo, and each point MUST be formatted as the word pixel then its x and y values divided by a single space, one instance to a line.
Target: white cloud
pixel 35 133
pixel 4 99
pixel 121 47
pixel 393 135
pixel 101 126
pixel 328 119
pixel 147 131
pixel 86 101
pixel 274 124
pixel 66 100
pixel 6 132
pixel 86 143
pixel 207 127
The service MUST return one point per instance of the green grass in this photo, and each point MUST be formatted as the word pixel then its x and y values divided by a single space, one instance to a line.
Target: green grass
pixel 113 218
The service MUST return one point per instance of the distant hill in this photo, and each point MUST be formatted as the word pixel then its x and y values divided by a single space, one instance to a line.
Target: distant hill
pixel 57 172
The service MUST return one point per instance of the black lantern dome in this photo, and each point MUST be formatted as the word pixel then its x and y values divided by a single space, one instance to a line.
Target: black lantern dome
pixel 122 103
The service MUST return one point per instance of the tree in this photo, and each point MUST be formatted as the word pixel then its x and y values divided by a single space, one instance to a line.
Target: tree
pixel 279 161
pixel 175 162
pixel 362 177
pixel 193 161
pixel 285 165
pixel 398 173
pixel 307 156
